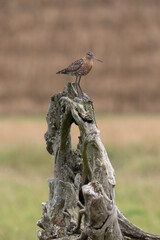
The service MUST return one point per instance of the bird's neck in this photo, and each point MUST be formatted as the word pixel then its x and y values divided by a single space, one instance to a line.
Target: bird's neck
pixel 89 60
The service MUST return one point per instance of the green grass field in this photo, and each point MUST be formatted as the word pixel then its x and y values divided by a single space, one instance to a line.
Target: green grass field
pixel 25 165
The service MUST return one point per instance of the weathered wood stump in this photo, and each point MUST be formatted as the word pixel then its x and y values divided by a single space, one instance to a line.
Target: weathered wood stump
pixel 82 193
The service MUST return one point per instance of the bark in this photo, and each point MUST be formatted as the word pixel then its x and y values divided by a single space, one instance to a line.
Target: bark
pixel 82 193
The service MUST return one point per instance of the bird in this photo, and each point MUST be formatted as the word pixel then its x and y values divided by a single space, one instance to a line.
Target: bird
pixel 80 68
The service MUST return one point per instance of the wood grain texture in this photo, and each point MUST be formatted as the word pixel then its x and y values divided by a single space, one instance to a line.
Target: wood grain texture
pixel 82 193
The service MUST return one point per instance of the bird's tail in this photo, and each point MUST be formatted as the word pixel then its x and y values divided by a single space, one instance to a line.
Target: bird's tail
pixel 64 71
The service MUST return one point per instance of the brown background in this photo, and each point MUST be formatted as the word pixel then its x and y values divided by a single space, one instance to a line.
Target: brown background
pixel 38 38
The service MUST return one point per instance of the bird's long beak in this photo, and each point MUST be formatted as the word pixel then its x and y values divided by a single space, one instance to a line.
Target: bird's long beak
pixel 97 59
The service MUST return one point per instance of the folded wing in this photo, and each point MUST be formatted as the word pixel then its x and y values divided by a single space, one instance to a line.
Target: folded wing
pixel 72 68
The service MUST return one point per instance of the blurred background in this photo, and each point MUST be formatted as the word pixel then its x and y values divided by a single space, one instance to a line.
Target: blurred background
pixel 40 37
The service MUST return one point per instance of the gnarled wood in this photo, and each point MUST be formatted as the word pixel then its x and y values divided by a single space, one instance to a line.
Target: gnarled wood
pixel 82 193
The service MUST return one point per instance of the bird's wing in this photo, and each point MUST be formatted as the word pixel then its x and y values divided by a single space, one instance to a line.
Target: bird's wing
pixel 75 65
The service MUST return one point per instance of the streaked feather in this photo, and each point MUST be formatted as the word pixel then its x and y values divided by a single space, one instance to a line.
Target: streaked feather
pixel 73 67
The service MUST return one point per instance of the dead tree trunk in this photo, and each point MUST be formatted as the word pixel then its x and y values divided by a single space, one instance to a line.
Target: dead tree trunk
pixel 82 192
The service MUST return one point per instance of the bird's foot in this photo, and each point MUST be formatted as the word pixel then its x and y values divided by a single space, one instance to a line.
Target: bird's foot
pixel 84 95
pixel 80 96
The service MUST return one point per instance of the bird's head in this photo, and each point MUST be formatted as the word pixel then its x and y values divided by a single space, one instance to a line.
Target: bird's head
pixel 90 56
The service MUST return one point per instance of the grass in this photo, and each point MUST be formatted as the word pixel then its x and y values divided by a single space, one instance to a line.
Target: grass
pixel 25 165
pixel 23 188
pixel 138 189
pixel 21 200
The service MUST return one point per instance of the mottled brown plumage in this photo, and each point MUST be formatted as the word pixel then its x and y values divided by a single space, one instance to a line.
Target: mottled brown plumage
pixel 80 68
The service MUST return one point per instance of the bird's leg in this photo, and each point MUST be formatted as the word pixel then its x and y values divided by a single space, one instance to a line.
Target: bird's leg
pixel 79 85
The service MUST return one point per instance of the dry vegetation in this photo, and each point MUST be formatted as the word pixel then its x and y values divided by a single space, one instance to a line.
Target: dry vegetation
pixel 115 130
pixel 42 36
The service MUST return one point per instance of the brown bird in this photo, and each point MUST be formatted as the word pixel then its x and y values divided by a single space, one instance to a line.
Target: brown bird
pixel 80 68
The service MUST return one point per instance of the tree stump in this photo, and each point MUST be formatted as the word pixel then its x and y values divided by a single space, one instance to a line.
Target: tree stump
pixel 82 193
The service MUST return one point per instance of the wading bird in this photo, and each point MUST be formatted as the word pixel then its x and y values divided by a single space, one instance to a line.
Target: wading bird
pixel 80 68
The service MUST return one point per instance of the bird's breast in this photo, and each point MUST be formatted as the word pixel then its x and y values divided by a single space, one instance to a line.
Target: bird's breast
pixel 86 66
